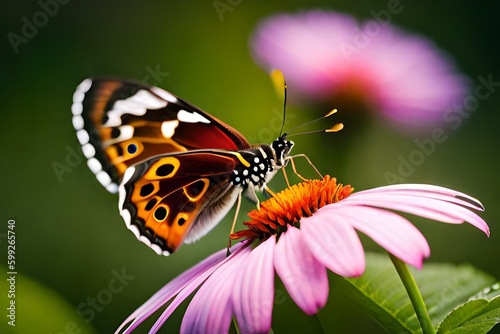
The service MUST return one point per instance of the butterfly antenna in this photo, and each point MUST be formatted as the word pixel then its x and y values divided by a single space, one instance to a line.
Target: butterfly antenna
pixel 334 128
pixel 281 88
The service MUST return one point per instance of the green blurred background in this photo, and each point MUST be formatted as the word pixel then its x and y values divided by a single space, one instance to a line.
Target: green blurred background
pixel 71 241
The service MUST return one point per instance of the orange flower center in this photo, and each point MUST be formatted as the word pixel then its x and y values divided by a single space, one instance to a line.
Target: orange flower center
pixel 290 205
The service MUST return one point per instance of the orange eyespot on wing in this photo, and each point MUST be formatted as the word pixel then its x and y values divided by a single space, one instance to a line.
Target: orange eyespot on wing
pixel 161 199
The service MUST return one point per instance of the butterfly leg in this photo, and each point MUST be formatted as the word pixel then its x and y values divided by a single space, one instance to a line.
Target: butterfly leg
pixel 270 191
pixel 308 160
pixel 286 178
pixel 252 196
pixel 238 205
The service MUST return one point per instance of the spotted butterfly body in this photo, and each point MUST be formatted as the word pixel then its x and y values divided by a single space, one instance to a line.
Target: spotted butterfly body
pixel 177 169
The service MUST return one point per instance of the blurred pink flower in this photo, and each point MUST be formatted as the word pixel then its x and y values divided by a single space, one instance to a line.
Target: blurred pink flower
pixel 326 55
pixel 304 230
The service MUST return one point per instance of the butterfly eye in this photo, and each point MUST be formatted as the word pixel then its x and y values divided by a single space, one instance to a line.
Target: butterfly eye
pixel 132 148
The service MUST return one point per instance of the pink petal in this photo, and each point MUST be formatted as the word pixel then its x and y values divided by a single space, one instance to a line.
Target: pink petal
pixel 169 291
pixel 195 283
pixel 428 191
pixel 253 294
pixel 334 243
pixel 210 311
pixel 409 204
pixel 406 77
pixel 289 42
pixel 391 231
pixel 426 207
pixel 303 276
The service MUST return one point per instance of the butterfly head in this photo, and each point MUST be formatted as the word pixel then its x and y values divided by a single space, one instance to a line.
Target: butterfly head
pixel 282 148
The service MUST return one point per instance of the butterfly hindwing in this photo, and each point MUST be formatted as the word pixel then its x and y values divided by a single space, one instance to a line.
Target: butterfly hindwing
pixel 172 197
pixel 121 123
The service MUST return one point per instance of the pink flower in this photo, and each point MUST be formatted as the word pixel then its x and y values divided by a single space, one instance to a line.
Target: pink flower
pixel 303 231
pixel 326 56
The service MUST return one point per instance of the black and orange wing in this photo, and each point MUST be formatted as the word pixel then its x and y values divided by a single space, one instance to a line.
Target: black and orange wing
pixel 122 123
pixel 178 197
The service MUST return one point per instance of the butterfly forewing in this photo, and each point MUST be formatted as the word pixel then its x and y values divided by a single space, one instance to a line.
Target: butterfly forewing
pixel 121 123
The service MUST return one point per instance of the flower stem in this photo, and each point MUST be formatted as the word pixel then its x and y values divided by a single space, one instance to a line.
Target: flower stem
pixel 235 325
pixel 315 324
pixel 414 294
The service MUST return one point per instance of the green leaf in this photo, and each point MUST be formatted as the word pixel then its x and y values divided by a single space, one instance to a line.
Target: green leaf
pixel 39 309
pixel 381 294
pixel 479 315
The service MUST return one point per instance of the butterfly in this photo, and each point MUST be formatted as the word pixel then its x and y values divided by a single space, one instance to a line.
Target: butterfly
pixel 177 169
